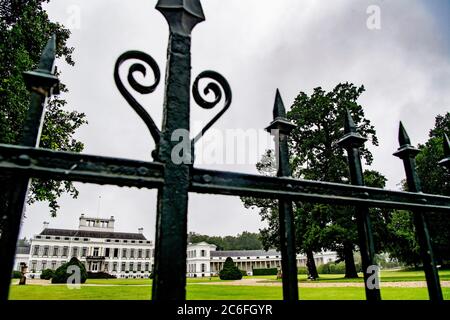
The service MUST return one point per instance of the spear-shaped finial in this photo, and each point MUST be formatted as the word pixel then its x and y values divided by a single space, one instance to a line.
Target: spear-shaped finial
pixel 403 137
pixel 405 150
pixel 351 137
pixel 42 79
pixel 446 161
pixel 349 125
pixel 278 109
pixel 280 121
pixel 182 15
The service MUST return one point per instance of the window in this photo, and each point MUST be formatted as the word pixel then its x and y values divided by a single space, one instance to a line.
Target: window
pixel 85 239
pixel 44 265
pixel 36 251
pixel 106 252
pixel 48 237
pixel 33 266
pixel 114 266
pixel 116 252
pixel 131 266
pixel 55 251
pixel 65 250
pixel 203 253
pixel 139 254
pixel 139 266
pixel 46 251
pixel 124 253
pixel 53 265
pixel 147 265
pixel 75 252
pixel 131 253
pixel 147 253
pixel 106 267
pixel 84 252
pixel 203 267
pixel 96 250
pixel 66 238
pixel 122 268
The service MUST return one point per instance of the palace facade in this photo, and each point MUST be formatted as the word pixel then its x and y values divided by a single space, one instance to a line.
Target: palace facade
pixel 131 255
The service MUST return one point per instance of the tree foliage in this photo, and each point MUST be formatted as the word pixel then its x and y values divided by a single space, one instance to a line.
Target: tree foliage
pixel 25 29
pixel 230 271
pixel 244 241
pixel 435 179
pixel 61 274
pixel 314 155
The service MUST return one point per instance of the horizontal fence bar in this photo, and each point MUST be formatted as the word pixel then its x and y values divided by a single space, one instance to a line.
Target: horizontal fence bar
pixel 238 184
pixel 56 165
pixel 68 166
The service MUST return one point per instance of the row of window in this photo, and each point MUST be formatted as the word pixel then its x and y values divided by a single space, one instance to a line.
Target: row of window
pixel 192 267
pixel 56 251
pixel 239 258
pixel 87 239
pixel 193 253
pixel 107 267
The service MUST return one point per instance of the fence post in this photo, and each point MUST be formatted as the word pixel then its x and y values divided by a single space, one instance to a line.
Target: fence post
pixel 408 153
pixel 446 161
pixel 352 142
pixel 280 127
pixel 171 222
pixel 40 82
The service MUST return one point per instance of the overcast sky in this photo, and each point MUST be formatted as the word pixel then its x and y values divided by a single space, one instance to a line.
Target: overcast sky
pixel 258 46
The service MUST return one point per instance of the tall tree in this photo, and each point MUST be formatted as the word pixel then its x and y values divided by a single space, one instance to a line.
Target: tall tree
pixel 24 29
pixel 435 179
pixel 319 120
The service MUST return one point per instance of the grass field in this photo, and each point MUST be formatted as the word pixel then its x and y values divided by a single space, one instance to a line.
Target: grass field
pixel 140 289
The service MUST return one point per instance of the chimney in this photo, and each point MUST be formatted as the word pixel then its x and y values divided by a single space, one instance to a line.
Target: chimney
pixel 46 224
pixel 141 230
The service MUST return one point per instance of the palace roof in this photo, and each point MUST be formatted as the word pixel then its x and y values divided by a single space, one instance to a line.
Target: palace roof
pixel 92 234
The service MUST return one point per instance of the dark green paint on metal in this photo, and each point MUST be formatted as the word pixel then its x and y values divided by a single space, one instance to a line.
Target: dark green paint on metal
pixel 446 146
pixel 40 82
pixel 407 153
pixel 352 142
pixel 280 127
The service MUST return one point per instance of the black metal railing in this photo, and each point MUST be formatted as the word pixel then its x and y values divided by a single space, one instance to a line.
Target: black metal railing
pixel 175 180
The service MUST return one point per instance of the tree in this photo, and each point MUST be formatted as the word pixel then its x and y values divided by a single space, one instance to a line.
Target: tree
pixel 314 155
pixel 244 241
pixel 25 29
pixel 435 179
pixel 63 273
pixel 230 271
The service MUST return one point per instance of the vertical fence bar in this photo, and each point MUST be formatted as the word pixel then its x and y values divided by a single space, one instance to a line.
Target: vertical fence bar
pixel 171 225
pixel 446 145
pixel 352 142
pixel 280 127
pixel 40 82
pixel 408 153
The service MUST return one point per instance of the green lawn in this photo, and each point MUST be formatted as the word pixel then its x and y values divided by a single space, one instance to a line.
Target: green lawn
pixel 209 292
pixel 140 289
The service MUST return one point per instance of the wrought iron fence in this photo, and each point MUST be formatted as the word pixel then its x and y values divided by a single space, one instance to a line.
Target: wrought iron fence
pixel 174 181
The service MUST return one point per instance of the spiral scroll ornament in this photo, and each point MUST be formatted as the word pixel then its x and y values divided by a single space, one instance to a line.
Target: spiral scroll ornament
pixel 216 87
pixel 142 89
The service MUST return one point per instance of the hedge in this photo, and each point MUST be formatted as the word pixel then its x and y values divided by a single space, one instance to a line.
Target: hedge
pixel 100 275
pixel 16 274
pixel 61 274
pixel 47 274
pixel 265 272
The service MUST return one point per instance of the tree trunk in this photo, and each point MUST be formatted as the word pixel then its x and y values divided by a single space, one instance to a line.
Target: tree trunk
pixel 350 268
pixel 311 265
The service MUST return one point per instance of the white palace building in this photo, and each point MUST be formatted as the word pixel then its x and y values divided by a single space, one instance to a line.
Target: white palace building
pixel 131 255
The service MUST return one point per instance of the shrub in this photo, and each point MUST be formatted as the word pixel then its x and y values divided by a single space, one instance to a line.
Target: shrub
pixel 265 272
pixel 100 275
pixel 335 268
pixel 244 273
pixel 230 271
pixel 302 270
pixel 61 275
pixel 16 274
pixel 47 274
